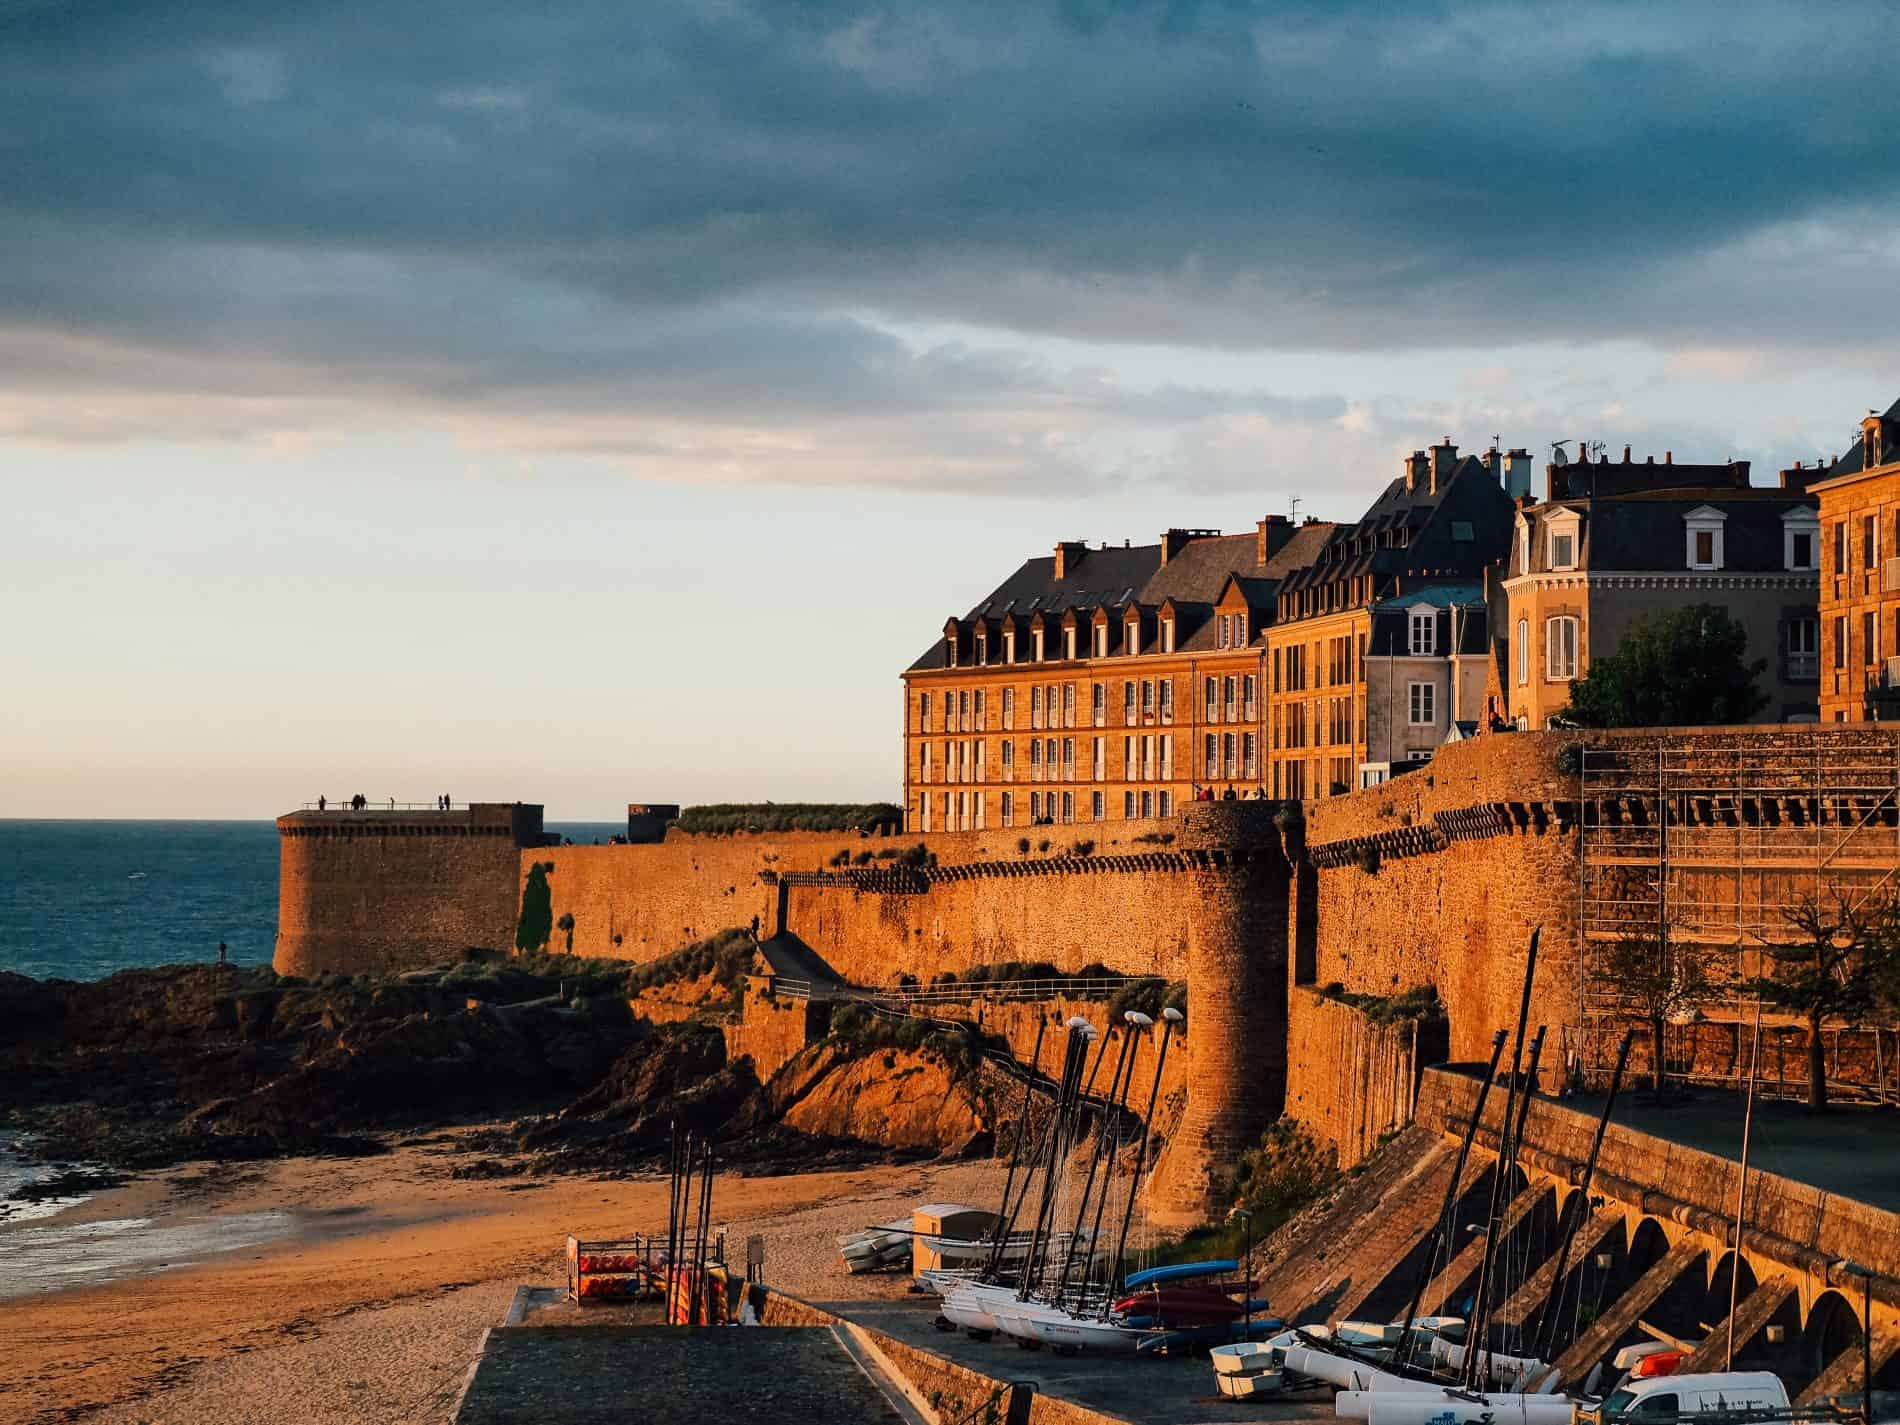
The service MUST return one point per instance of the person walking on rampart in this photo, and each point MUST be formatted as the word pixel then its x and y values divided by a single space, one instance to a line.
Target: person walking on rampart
pixel 223 954
pixel 322 803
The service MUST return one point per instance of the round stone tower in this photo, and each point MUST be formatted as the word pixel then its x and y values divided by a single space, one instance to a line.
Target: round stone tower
pixel 1237 996
pixel 378 891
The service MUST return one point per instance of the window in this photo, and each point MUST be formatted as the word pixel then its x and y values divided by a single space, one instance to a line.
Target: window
pixel 1210 688
pixel 1240 630
pixel 1035 638
pixel 1704 527
pixel 1560 648
pixel 1840 546
pixel 1035 706
pixel 963 711
pixel 1147 700
pixel 923 766
pixel 1068 705
pixel 1009 709
pixel 1220 626
pixel 1128 704
pixel 977 747
pixel 1424 632
pixel 1167 635
pixel 982 646
pixel 1840 641
pixel 1167 700
pixel 1147 758
pixel 923 812
pixel 1035 760
pixel 1131 637
pixel 1230 766
pixel 1421 704
pixel 1009 645
pixel 1068 807
pixel 1101 640
pixel 1803 634
pixel 1229 687
pixel 1147 804
pixel 1800 547
pixel 1167 759
pixel 979 811
pixel 1128 805
pixel 1869 540
pixel 949 711
pixel 1210 764
pixel 1049 768
pixel 1068 759
pixel 1068 643
pixel 1099 771
pixel 1130 767
pixel 982 718
pixel 1869 638
pixel 923 713
pixel 1563 550
pixel 1009 761
pixel 1165 803
pixel 1035 808
pixel 1009 804
pixel 1523 651
pixel 1249 752
pixel 1098 807
pixel 1099 705
pixel 1249 689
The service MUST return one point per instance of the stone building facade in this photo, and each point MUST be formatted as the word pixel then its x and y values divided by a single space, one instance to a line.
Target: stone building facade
pixel 1618 540
pixel 1100 683
pixel 1436 527
pixel 1860 577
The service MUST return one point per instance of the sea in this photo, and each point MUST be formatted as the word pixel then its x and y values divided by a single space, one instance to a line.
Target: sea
pixel 80 900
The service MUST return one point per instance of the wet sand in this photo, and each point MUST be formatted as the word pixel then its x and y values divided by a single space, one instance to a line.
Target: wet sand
pixel 372 1305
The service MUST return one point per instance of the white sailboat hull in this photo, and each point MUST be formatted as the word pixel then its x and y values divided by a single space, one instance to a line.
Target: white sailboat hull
pixel 1423 1405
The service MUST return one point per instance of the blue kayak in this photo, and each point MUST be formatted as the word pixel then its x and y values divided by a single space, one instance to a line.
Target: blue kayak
pixel 1179 1272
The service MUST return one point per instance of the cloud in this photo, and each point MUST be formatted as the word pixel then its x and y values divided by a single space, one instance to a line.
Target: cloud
pixel 693 228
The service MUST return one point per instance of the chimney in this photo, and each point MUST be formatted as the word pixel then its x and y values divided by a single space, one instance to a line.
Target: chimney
pixel 1270 536
pixel 1444 457
pixel 1069 553
pixel 1669 457
pixel 1415 466
pixel 1172 543
pixel 1517 473
pixel 1626 455
pixel 1796 477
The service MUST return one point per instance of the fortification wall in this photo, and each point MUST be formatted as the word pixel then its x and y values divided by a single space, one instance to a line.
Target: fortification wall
pixel 375 892
pixel 1350 1080
pixel 989 901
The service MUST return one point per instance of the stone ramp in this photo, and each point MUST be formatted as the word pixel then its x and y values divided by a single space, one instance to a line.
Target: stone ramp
pixel 1752 1312
pixel 1524 1303
pixel 1462 1270
pixel 563 1375
pixel 1329 1260
pixel 1622 1313
pixel 790 958
pixel 1842 1376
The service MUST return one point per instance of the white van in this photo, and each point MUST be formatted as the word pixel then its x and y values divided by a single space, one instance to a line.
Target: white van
pixel 1668 1396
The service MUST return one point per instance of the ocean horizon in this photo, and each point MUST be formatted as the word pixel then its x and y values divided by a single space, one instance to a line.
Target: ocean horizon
pixel 80 900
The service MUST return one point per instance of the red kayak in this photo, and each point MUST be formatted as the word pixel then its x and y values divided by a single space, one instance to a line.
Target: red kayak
pixel 1187 1305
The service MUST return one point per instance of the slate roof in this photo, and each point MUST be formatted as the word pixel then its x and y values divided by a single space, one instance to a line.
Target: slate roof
pixel 1193 578
pixel 1855 460
pixel 1645 530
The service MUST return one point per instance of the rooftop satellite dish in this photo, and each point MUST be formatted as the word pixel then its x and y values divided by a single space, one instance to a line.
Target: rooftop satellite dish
pixel 1557 455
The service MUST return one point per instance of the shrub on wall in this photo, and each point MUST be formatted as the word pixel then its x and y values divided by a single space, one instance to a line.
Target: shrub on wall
pixel 537 910
pixel 728 956
pixel 721 818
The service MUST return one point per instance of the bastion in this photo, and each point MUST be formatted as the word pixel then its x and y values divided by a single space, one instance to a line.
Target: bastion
pixel 378 891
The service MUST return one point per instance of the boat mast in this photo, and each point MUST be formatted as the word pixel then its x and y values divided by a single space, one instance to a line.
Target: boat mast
pixel 1170 1017
pixel 1001 1233
pixel 1102 1123
pixel 1741 1189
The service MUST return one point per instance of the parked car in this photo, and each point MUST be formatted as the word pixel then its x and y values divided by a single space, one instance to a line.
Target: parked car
pixel 1669 1396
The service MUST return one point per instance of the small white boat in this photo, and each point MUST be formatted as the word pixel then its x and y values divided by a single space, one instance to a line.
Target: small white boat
pixel 1260 1385
pixel 972 1307
pixel 1505 1373
pixel 1054 1326
pixel 1245 1358
pixel 876 1248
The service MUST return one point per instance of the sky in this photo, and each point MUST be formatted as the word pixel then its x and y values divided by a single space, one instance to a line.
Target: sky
pixel 605 402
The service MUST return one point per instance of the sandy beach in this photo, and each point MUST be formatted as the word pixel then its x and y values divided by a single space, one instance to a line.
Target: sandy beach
pixel 372 1303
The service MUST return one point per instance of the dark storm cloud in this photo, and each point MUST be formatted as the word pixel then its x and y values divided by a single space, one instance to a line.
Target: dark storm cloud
pixel 695 199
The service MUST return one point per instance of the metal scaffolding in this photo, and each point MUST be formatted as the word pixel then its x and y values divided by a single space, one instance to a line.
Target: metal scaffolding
pixel 1713 845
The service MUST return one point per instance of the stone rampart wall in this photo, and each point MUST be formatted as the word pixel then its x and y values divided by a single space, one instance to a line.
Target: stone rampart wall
pixel 1349 1080
pixel 377 892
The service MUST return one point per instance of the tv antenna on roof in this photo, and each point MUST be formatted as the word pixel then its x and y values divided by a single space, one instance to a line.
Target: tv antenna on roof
pixel 1597 448
pixel 1295 516
pixel 1557 453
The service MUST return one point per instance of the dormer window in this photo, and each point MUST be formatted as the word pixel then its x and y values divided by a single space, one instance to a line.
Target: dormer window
pixel 1523 546
pixel 982 646
pixel 1101 640
pixel 1068 643
pixel 1009 645
pixel 1801 540
pixel 1563 551
pixel 1240 630
pixel 1035 636
pixel 1702 528
pixel 1220 628
pixel 1424 632
pixel 1167 635
pixel 1131 637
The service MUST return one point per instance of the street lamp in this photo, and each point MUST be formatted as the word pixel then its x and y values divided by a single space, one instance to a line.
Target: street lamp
pixel 1866 1275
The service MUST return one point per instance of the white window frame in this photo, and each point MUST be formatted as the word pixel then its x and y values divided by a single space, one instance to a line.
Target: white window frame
pixel 1068 644
pixel 1009 761
pixel 1167 701
pixel 1422 632
pixel 1009 808
pixel 1101 640
pixel 1559 630
pixel 1566 525
pixel 1523 546
pixel 1099 765
pixel 1796 522
pixel 1009 709
pixel 1129 714
pixel 1705 519
pixel 1164 803
pixel 1128 806
pixel 1131 636
pixel 1098 807
pixel 1523 652
pixel 1167 635
pixel 1035 639
pixel 1220 631
pixel 1009 645
pixel 1421 705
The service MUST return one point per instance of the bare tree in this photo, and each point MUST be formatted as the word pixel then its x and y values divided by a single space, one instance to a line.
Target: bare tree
pixel 1845 954
pixel 1665 979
